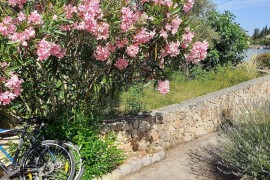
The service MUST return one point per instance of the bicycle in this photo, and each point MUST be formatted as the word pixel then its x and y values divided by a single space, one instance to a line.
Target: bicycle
pixel 48 159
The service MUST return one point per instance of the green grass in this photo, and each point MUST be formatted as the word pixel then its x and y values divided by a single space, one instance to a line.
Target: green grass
pixel 139 98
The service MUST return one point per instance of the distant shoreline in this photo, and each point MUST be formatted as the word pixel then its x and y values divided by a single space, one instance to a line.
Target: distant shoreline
pixel 258 47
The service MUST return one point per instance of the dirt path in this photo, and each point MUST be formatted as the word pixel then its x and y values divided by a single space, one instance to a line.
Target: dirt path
pixel 184 162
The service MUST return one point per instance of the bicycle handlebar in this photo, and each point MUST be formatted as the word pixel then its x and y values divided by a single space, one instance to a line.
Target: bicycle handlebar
pixel 31 121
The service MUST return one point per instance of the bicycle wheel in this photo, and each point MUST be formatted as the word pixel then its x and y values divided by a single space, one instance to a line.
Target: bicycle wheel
pixel 78 159
pixel 51 161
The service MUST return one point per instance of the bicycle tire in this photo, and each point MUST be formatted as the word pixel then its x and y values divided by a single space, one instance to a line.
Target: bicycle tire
pixel 58 162
pixel 78 158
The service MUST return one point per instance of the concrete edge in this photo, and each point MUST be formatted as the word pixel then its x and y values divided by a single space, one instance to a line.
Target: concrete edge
pixel 134 166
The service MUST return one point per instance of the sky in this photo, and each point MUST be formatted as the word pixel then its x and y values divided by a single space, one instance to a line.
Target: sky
pixel 250 14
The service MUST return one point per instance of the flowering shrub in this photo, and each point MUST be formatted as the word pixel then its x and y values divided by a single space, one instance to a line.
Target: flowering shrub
pixel 76 53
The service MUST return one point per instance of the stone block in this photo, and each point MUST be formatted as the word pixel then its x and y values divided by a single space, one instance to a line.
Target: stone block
pixel 144 127
pixel 177 124
pixel 136 124
pixel 155 158
pixel 134 133
pixel 146 161
pixel 125 169
pixel 154 135
pixel 135 165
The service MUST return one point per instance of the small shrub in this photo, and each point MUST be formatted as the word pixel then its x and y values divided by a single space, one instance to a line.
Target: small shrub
pixel 245 145
pixel 263 60
pixel 100 154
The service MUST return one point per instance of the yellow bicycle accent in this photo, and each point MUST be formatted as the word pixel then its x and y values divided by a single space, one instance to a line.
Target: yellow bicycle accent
pixel 30 175
pixel 66 167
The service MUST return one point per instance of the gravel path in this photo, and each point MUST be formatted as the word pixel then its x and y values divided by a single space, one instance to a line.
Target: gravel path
pixel 185 162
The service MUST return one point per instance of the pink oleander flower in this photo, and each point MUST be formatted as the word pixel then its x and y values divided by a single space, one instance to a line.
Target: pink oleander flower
pixel 168 27
pixel 14 82
pixel 128 18
pixel 20 3
pixel 43 50
pixel 121 63
pixel 166 2
pixel 7 26
pixel 187 39
pixel 144 1
pixel 35 18
pixel 163 86
pixel 21 16
pixel 102 53
pixel 188 5
pixel 4 64
pixel 57 51
pixel 111 47
pixel 7 20
pixel 66 27
pixel 163 34
pixel 24 36
pixel 69 10
pixel 121 43
pixel 143 36
pixel 24 44
pixel 55 17
pixel 14 86
pixel 198 52
pixel 173 48
pixel 102 31
pixel 6 97
pixel 132 50
pixel 175 24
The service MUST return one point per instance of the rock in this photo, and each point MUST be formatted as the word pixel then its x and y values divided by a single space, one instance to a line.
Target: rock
pixel 144 127
pixel 136 124
pixel 154 135
pixel 177 124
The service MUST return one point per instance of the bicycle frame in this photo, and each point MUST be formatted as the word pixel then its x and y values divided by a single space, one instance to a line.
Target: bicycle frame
pixel 14 170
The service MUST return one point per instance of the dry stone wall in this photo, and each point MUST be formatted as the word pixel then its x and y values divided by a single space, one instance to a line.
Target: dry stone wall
pixel 178 123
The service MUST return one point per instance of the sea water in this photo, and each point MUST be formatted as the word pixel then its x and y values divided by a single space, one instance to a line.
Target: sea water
pixel 251 52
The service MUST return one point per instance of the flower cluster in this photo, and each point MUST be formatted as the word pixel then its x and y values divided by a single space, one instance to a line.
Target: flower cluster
pixel 187 39
pixel 143 36
pixel 13 86
pixel 133 50
pixel 102 53
pixel 128 18
pixel 90 18
pixel 198 52
pixel 163 86
pixel 45 49
pixel 9 27
pixel 167 3
pixel 173 49
pixel 121 63
pixel 188 6
pixel 20 3
pixel 174 25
